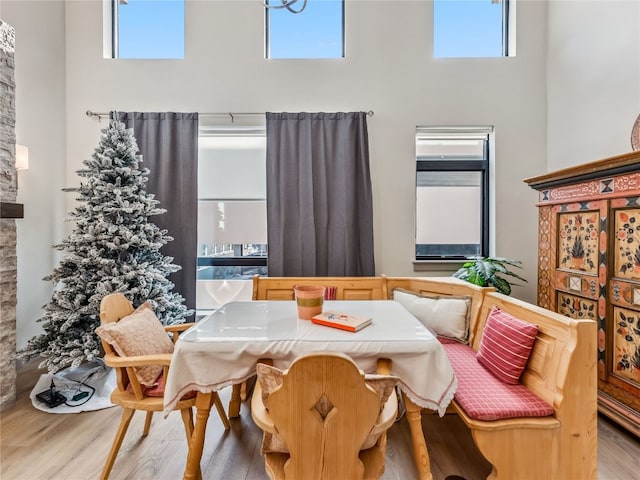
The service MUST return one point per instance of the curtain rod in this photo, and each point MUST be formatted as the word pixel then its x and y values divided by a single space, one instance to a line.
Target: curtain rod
pixel 100 115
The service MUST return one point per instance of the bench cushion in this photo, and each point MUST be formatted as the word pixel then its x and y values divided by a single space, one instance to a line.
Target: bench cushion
pixel 483 396
pixel 158 389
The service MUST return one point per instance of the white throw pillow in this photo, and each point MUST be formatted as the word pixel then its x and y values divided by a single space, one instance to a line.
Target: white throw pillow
pixel 446 316
pixel 138 334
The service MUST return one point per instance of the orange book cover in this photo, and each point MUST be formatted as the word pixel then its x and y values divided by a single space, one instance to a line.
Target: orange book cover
pixel 344 321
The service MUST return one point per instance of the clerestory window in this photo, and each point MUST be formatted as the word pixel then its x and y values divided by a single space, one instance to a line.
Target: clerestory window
pixel 304 29
pixel 473 28
pixel 140 29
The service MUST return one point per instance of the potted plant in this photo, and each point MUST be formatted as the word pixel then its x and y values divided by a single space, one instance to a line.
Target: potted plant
pixel 489 272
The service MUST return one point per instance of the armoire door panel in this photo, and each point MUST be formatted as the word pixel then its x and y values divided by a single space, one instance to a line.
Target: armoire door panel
pixel 578 241
pixel 625 347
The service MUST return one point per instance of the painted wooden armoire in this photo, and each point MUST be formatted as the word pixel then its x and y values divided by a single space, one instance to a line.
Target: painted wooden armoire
pixel 589 267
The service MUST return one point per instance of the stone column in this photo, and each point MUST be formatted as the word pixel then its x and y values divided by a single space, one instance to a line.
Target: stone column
pixel 8 190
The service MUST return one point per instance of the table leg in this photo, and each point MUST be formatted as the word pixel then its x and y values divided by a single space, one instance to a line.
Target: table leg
pixel 196 445
pixel 234 403
pixel 420 453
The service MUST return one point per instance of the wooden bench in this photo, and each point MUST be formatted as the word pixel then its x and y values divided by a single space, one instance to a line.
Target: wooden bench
pixel 561 370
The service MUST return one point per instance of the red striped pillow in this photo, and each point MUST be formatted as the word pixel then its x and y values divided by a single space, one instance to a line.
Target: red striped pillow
pixel 506 345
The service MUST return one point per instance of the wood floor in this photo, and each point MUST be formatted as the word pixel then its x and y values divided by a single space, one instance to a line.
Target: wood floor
pixel 41 446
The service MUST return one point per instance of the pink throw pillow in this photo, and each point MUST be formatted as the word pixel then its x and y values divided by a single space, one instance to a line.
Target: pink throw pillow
pixel 506 345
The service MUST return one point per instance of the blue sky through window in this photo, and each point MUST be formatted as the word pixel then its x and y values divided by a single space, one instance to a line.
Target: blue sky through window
pixel 151 29
pixel 461 28
pixel 467 28
pixel 316 32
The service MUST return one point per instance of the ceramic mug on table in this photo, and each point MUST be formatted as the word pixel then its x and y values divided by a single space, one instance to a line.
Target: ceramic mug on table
pixel 309 300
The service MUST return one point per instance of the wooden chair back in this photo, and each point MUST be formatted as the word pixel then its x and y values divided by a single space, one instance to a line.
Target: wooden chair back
pixel 324 411
pixel 113 308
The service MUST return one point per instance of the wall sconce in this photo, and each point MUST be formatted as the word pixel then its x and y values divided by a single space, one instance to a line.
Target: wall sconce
pixel 22 157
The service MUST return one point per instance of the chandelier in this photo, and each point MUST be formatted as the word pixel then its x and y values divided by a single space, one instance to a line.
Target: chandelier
pixel 288 4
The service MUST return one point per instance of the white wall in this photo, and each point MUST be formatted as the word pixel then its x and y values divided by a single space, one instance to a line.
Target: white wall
pixel 593 79
pixel 41 126
pixel 389 69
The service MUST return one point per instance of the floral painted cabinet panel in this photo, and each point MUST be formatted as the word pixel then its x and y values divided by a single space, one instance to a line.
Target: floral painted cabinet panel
pixel 627 244
pixel 626 344
pixel 578 241
pixel 625 296
pixel 578 279
pixel 589 267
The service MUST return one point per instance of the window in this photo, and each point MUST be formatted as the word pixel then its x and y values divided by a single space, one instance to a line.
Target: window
pixel 452 192
pixel 146 29
pixel 473 28
pixel 316 32
pixel 232 214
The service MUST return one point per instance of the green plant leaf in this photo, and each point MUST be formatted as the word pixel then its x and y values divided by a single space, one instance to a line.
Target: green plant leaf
pixel 502 285
pixel 462 273
pixel 476 279
pixel 506 261
pixel 486 271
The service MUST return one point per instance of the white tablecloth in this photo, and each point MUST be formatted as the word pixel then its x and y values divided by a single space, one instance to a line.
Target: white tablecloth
pixel 223 348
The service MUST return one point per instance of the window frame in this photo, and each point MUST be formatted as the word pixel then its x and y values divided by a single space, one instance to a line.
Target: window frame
pixel 508 48
pixel 111 40
pixel 483 166
pixel 507 24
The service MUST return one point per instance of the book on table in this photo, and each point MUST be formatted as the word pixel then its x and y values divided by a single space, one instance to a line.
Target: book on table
pixel 344 321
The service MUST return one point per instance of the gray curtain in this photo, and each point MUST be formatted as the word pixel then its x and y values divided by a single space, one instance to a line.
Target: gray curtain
pixel 319 207
pixel 168 143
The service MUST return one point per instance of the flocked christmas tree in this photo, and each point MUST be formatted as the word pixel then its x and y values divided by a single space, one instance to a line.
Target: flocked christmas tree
pixel 113 248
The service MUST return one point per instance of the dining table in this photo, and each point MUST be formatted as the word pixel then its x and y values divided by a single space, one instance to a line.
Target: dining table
pixel 222 350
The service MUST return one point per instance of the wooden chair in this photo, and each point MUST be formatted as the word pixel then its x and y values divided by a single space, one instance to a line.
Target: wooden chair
pixel 129 392
pixel 325 412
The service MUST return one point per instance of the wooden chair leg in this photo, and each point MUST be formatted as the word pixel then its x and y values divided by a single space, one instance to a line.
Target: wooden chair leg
pixel 243 391
pixel 223 415
pixel 234 402
pixel 147 424
pixel 187 419
pixel 127 415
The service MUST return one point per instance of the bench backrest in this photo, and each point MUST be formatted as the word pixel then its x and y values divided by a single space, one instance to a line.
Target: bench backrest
pixel 347 288
pixel 564 350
